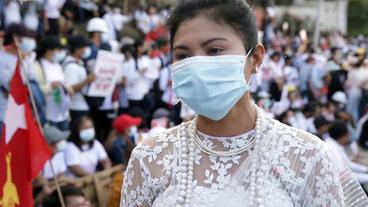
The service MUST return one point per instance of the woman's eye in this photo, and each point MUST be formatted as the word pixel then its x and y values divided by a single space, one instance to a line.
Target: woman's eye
pixel 214 51
pixel 181 56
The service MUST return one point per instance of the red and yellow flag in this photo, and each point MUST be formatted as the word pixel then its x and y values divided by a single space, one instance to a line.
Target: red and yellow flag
pixel 23 150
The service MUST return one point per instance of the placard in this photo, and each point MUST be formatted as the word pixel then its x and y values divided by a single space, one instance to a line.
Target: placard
pixel 107 69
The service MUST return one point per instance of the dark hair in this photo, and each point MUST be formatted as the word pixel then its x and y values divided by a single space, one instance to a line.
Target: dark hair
pixel 338 129
pixel 74 136
pixel 53 199
pixel 16 30
pixel 236 13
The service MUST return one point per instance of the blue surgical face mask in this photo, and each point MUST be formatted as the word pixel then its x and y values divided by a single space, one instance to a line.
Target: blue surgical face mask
pixel 104 37
pixel 27 44
pixel 210 85
pixel 59 56
pixel 87 53
pixel 87 135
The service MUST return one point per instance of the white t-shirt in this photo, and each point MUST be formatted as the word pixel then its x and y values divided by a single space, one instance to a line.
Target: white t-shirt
pixel 138 85
pixel 55 112
pixel 52 8
pixel 12 13
pixel 87 158
pixel 75 73
pixel 59 164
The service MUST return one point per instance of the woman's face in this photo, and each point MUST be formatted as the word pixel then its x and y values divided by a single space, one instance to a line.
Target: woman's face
pixel 86 124
pixel 202 36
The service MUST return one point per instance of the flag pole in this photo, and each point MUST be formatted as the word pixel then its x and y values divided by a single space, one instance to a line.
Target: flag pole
pixel 33 103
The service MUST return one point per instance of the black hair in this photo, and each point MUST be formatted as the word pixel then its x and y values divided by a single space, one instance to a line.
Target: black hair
pixel 53 199
pixel 74 136
pixel 236 13
pixel 16 30
pixel 338 129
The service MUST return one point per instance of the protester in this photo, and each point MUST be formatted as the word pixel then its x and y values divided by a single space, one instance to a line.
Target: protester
pixel 339 137
pixel 101 115
pixel 9 58
pixel 51 78
pixel 126 131
pixel 77 76
pixel 83 152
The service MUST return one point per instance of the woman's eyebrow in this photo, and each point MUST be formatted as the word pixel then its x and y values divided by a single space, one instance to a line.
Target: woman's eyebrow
pixel 180 47
pixel 203 44
pixel 212 40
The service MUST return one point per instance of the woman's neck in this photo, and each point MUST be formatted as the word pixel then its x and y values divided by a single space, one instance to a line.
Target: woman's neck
pixel 241 119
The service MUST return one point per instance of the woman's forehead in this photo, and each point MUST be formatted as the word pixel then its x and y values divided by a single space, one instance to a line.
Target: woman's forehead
pixel 201 29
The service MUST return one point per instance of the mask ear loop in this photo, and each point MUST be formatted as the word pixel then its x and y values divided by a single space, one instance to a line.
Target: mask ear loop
pixel 251 76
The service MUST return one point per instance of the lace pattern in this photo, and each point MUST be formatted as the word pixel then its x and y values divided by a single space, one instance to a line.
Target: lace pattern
pixel 288 168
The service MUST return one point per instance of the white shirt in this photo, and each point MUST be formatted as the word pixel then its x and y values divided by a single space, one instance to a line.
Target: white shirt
pixel 342 160
pixel 55 112
pixel 138 85
pixel 59 165
pixel 165 77
pixel 12 13
pixel 75 73
pixel 86 158
pixel 52 8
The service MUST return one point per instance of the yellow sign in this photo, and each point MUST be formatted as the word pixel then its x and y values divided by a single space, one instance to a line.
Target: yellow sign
pixel 10 197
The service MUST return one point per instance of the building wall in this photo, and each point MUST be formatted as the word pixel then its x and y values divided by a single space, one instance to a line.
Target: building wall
pixel 333 16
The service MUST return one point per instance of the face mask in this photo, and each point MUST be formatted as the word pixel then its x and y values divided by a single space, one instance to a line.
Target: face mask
pixel 87 53
pixel 133 131
pixel 87 135
pixel 27 44
pixel 61 146
pixel 104 37
pixel 59 56
pixel 211 86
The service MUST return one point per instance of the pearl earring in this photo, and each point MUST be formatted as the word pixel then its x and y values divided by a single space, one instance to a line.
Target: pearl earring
pixel 256 69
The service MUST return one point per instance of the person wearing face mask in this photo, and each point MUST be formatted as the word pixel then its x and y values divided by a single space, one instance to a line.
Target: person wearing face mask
pixel 51 78
pixel 339 137
pixel 125 127
pixel 230 154
pixel 76 75
pixel 83 153
pixel 16 37
pixel 57 142
pixel 98 35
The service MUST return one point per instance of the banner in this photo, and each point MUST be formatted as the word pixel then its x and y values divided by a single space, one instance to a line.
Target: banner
pixel 108 70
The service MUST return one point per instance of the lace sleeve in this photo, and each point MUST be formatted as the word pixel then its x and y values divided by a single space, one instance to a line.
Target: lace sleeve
pixel 329 186
pixel 136 191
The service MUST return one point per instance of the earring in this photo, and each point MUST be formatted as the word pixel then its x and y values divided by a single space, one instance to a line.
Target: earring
pixel 256 69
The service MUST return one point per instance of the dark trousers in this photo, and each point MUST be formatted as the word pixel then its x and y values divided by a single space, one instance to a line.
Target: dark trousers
pixel 63 126
pixel 363 103
pixel 53 27
pixel 103 123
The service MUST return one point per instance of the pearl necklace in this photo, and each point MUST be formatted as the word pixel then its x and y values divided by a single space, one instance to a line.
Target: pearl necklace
pixel 187 158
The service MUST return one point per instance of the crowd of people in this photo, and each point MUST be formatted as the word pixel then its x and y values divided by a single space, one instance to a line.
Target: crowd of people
pixel 322 89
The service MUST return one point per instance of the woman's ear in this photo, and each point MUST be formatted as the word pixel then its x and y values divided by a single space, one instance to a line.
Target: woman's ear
pixel 257 57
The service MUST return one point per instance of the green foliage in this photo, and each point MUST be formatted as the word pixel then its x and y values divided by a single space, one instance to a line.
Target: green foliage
pixel 358 17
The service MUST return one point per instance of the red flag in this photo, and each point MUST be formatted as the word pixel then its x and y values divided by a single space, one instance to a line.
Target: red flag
pixel 23 150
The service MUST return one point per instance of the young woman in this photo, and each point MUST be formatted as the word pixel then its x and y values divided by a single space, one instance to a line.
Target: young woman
pixel 231 154
pixel 51 78
pixel 83 153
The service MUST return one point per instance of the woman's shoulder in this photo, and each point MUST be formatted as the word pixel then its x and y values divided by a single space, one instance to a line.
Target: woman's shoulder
pixel 299 140
pixel 161 143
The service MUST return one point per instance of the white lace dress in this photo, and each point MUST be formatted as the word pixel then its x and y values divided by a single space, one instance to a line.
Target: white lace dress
pixel 287 167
